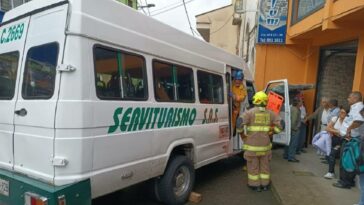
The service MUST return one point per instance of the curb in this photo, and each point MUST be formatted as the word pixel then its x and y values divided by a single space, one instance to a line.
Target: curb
pixel 275 194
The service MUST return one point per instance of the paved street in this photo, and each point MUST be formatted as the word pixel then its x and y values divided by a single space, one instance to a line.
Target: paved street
pixel 220 183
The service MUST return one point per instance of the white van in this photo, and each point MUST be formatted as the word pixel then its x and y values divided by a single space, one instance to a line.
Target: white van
pixel 95 97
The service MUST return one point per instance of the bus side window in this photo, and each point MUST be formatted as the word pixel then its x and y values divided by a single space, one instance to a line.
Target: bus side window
pixel 163 81
pixel 8 73
pixel 173 83
pixel 185 85
pixel 210 87
pixel 119 75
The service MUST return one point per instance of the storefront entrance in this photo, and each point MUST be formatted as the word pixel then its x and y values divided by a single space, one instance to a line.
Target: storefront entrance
pixel 336 72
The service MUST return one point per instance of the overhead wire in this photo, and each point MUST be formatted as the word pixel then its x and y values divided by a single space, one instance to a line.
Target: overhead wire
pixel 188 18
pixel 165 7
pixel 141 8
pixel 146 3
pixel 169 9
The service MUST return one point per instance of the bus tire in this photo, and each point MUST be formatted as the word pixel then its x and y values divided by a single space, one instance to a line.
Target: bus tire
pixel 175 186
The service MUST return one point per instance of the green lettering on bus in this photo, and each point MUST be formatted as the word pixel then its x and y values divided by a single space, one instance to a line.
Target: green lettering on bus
pixel 143 117
pixel 139 118
pixel 117 112
pixel 162 117
pixel 125 119
pixel 12 33
pixel 169 117
pixel 134 120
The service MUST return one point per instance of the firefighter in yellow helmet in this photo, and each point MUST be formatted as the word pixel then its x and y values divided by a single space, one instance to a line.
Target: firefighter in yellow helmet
pixel 257 124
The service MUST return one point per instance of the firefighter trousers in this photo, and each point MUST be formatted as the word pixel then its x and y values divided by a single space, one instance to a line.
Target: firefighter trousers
pixel 258 168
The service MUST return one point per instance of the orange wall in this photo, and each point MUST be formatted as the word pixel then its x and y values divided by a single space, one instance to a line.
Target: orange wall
pixel 298 60
pixel 296 63
pixel 359 67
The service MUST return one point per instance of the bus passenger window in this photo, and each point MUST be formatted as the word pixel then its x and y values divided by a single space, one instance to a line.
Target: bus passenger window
pixel 210 88
pixel 8 72
pixel 119 75
pixel 163 81
pixel 133 77
pixel 251 92
pixel 217 89
pixel 173 83
pixel 40 72
pixel 185 85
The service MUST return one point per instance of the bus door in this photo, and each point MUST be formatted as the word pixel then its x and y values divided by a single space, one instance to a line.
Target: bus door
pixel 228 90
pixel 35 108
pixel 12 40
pixel 280 87
pixel 237 142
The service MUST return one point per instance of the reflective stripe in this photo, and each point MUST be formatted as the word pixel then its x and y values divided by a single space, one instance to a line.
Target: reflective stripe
pixel 264 176
pixel 258 128
pixel 261 153
pixel 256 148
pixel 253 177
pixel 276 130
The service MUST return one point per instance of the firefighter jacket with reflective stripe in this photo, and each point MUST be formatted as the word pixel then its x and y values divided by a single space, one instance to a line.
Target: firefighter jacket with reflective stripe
pixel 258 122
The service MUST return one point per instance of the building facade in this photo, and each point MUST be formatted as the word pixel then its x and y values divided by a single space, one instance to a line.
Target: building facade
pixel 232 28
pixel 247 10
pixel 324 46
pixel 221 28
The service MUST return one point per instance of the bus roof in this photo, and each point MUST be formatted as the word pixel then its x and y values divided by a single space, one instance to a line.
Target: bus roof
pixel 139 32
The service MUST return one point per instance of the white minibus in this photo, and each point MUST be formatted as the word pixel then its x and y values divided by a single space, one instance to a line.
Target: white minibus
pixel 95 97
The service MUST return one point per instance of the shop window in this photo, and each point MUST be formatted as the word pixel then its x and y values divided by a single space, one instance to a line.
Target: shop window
pixel 210 88
pixel 304 8
pixel 119 75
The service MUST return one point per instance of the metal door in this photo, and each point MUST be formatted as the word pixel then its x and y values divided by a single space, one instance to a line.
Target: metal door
pixel 38 94
pixel 281 87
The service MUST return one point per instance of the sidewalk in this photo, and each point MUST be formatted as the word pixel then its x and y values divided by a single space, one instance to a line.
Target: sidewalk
pixel 303 182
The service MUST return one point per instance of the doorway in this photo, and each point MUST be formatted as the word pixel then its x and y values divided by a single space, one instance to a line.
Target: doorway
pixel 336 72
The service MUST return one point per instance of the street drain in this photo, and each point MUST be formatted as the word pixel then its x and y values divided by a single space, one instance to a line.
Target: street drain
pixel 303 173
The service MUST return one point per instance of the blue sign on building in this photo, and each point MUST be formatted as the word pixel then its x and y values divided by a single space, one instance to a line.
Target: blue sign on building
pixel 272 21
pixel 1 16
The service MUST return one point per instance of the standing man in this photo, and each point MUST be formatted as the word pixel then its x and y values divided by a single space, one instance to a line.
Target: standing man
pixel 290 150
pixel 351 123
pixel 303 129
pixel 257 123
pixel 237 95
pixel 320 115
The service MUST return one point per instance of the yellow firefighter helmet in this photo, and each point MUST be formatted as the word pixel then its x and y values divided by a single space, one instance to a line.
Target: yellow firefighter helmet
pixel 260 98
